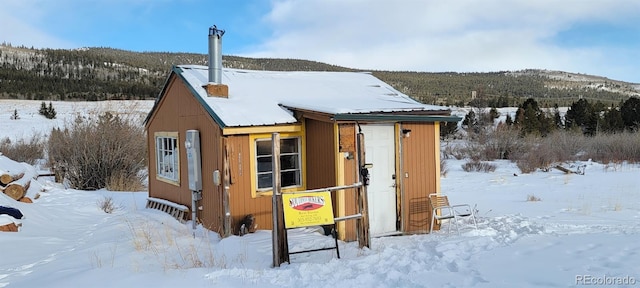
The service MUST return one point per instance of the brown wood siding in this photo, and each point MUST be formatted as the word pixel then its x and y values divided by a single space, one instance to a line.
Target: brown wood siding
pixel 179 111
pixel 419 164
pixel 320 149
pixel 240 199
pixel 321 166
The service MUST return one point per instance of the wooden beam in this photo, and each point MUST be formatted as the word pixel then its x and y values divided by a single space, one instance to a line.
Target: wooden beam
pixel 279 234
pixel 362 224
pixel 227 229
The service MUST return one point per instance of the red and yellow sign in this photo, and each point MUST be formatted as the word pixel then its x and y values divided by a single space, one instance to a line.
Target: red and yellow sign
pixel 307 209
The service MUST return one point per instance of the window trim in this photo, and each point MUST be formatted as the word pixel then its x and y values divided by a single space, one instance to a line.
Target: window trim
pixel 174 181
pixel 253 139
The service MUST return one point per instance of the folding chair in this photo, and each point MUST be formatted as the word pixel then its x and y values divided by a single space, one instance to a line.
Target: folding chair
pixel 442 210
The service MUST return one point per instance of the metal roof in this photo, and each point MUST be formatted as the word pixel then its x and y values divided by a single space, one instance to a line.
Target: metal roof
pixel 258 98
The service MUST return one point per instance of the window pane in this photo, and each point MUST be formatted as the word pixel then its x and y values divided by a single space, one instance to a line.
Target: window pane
pixel 167 158
pixel 263 148
pixel 264 164
pixel 288 162
pixel 265 181
pixel 289 145
pixel 290 178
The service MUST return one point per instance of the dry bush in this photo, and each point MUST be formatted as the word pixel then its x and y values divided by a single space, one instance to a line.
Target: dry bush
pixel 533 198
pixel 456 151
pixel 559 146
pixel 489 144
pixel 613 148
pixel 123 182
pixel 478 166
pixel 443 168
pixel 565 145
pixel 142 235
pixel 536 158
pixel 29 151
pixel 106 204
pixel 98 152
pixel 472 150
pixel 502 143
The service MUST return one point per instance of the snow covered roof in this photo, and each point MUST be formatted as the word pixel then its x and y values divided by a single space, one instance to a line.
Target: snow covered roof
pixel 258 98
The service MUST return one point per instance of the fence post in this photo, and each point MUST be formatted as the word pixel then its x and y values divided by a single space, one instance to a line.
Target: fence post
pixel 279 235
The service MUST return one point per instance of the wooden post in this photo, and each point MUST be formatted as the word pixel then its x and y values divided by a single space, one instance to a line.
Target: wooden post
pixel 227 229
pixel 362 225
pixel 279 235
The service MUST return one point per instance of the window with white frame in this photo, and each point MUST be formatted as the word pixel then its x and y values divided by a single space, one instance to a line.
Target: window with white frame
pixel 290 163
pixel 167 159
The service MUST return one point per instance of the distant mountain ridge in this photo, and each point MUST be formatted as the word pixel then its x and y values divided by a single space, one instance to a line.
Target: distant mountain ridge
pixel 106 73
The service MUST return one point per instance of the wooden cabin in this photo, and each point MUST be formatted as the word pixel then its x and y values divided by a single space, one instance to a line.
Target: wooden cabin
pixel 317 115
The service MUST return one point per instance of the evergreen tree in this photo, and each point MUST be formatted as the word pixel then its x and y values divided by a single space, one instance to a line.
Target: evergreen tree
pixel 448 128
pixel 582 115
pixel 630 112
pixel 612 121
pixel 43 109
pixel 15 115
pixel 531 119
pixel 530 123
pixel 51 113
pixel 469 119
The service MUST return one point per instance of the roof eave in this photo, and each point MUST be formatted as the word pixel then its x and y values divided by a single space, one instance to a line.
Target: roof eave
pixel 396 118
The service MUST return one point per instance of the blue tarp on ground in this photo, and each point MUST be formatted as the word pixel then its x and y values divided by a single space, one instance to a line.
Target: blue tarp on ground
pixel 13 212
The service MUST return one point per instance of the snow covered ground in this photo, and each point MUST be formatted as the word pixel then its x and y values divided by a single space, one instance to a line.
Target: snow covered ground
pixel 30 122
pixel 583 230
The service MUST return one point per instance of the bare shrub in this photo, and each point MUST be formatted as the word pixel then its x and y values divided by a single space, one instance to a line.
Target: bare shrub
pixel 533 198
pixel 472 150
pixel 28 151
pixel 502 143
pixel 564 145
pixel 123 182
pixel 544 151
pixel 143 235
pixel 455 150
pixel 478 166
pixel 97 152
pixel 106 204
pixel 443 168
pixel 607 148
pixel 536 158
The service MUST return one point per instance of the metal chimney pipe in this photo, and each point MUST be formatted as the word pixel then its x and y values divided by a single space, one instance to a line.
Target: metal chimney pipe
pixel 215 54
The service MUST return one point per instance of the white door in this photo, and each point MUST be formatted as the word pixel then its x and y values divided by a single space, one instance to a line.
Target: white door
pixel 379 148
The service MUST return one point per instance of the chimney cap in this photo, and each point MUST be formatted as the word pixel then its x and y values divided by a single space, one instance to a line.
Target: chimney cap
pixel 214 31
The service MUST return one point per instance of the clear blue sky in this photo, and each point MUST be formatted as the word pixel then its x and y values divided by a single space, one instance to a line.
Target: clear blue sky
pixel 599 37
